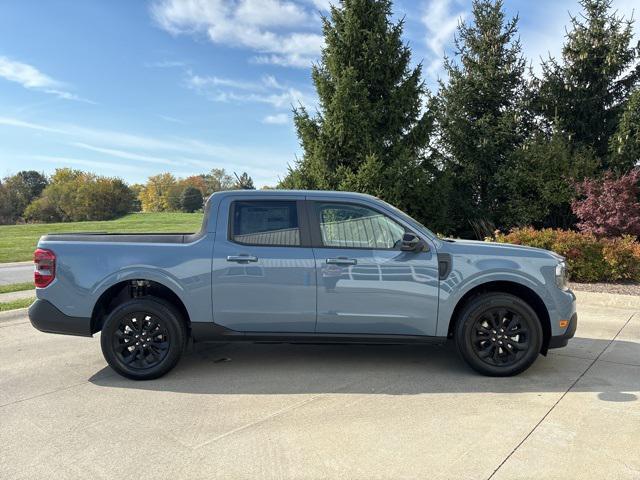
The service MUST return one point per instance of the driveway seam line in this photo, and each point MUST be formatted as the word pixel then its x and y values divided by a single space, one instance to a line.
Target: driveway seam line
pixel 587 358
pixel 68 387
pixel 259 421
pixel 560 399
pixel 62 389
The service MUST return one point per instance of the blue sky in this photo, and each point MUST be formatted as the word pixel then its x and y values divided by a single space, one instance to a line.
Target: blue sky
pixel 133 88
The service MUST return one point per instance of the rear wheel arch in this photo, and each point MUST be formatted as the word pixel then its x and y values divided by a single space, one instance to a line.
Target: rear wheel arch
pixel 517 289
pixel 126 290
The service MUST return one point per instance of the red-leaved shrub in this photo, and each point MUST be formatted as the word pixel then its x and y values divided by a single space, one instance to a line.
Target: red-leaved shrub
pixel 609 207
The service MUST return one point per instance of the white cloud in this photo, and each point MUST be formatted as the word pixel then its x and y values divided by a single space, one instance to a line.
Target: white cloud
pixel 268 91
pixel 198 82
pixel 30 77
pixel 175 153
pixel 111 152
pixel 66 161
pixel 441 18
pixel 277 119
pixel 276 29
pixel 170 119
pixel 166 64
pixel 324 4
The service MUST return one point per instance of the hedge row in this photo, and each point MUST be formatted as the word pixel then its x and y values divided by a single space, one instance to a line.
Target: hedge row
pixel 590 259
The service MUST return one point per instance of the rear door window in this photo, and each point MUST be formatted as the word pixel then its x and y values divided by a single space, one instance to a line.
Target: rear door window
pixel 266 223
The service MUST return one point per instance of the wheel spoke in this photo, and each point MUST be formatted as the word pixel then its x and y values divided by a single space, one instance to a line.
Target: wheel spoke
pixel 148 332
pixel 510 321
pixel 131 357
pixel 500 336
pixel 487 350
pixel 519 346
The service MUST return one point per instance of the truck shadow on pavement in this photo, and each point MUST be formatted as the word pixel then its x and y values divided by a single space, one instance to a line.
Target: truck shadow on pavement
pixel 274 369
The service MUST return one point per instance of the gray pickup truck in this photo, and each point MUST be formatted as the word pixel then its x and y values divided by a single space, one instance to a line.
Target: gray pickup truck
pixel 297 266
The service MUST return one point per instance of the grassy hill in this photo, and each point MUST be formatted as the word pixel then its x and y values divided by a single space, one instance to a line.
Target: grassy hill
pixel 17 242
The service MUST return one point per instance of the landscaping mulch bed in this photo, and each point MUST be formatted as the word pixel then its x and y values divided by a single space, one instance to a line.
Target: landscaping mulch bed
pixel 619 288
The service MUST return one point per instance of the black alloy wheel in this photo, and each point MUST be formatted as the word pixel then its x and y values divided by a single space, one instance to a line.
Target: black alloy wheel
pixel 143 338
pixel 140 340
pixel 500 337
pixel 498 334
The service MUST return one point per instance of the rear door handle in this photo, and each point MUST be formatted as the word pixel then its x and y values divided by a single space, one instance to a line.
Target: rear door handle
pixel 242 258
pixel 341 261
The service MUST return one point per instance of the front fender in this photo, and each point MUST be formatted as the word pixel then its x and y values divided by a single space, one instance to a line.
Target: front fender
pixel 458 284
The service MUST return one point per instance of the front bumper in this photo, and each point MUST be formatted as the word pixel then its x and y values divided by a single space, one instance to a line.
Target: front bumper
pixel 559 341
pixel 47 318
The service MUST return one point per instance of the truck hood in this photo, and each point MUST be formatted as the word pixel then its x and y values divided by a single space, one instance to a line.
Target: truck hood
pixel 497 249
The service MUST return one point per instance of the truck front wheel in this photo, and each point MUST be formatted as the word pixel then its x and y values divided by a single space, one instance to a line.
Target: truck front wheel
pixel 143 338
pixel 498 334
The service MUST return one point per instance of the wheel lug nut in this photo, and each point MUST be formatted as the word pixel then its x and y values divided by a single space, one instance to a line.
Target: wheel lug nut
pixel 493 339
pixel 499 343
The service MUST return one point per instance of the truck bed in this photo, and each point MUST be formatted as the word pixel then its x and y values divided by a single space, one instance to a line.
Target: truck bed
pixel 104 237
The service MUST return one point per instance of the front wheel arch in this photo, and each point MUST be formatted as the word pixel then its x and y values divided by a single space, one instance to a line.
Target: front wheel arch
pixel 521 291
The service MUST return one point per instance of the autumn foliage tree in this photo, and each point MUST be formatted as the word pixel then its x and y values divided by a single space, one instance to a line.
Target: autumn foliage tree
pixel 73 195
pixel 609 206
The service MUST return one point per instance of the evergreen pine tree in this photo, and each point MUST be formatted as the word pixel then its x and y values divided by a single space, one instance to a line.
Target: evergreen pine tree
pixel 371 130
pixel 481 115
pixel 584 94
pixel 244 182
pixel 625 143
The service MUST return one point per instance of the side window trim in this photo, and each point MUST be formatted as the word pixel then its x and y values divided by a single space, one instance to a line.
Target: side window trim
pixel 313 211
pixel 303 224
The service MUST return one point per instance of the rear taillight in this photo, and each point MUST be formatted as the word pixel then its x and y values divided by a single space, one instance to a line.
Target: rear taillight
pixel 45 267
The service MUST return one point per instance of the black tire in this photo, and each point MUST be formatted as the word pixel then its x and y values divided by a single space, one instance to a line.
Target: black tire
pixel 498 334
pixel 143 338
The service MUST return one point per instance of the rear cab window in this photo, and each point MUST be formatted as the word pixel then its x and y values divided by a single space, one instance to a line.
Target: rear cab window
pixel 265 223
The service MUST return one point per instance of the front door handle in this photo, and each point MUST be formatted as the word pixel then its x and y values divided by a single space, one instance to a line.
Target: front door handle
pixel 242 258
pixel 341 261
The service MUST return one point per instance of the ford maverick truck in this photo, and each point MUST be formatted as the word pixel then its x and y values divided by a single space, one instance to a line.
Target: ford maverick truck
pixel 301 267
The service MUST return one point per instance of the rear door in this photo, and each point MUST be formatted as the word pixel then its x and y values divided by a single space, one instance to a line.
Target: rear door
pixel 366 284
pixel 263 266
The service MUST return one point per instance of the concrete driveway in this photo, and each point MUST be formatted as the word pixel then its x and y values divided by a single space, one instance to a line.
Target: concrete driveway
pixel 353 412
pixel 16 272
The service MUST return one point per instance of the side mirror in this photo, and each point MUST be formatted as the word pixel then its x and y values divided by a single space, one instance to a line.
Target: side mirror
pixel 411 243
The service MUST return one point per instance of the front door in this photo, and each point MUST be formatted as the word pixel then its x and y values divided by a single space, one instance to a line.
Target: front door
pixel 366 284
pixel 263 266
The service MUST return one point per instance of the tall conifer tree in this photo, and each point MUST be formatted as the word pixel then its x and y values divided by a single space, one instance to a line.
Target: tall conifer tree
pixel 371 130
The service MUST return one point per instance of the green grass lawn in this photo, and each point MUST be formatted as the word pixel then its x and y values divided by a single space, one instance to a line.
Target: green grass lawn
pixel 22 303
pixel 16 287
pixel 17 242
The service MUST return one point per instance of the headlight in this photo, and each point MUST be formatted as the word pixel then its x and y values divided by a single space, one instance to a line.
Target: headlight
pixel 562 276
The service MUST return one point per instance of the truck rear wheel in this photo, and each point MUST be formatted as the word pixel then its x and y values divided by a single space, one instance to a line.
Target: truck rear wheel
pixel 498 334
pixel 143 338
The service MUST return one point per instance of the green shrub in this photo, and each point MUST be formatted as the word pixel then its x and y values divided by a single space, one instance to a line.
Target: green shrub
pixel 589 259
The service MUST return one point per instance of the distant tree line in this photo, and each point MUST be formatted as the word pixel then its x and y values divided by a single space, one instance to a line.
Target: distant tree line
pixel 496 146
pixel 73 195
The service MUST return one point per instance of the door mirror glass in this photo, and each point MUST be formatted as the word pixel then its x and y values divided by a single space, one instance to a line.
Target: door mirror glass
pixel 411 242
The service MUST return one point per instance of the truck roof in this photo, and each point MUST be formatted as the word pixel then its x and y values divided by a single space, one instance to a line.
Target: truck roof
pixel 308 193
